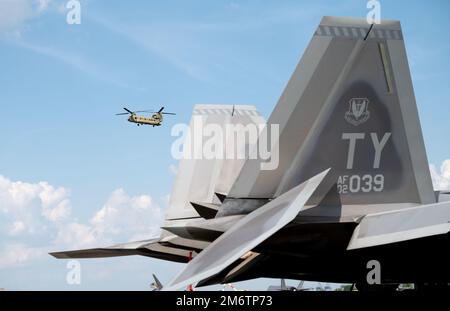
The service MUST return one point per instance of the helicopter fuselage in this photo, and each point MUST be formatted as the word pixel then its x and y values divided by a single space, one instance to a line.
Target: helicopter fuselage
pixel 154 120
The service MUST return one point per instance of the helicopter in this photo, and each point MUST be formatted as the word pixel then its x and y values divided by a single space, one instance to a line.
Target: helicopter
pixel 155 120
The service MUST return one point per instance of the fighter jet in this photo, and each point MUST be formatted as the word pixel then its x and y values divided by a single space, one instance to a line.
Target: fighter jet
pixel 284 288
pixel 156 285
pixel 352 185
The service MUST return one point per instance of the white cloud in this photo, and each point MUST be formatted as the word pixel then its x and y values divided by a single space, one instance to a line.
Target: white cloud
pixel 50 196
pixel 41 212
pixel 55 203
pixel 42 5
pixel 441 177
pixel 32 205
pixel 15 254
pixel 127 216
pixel 76 235
pixel 16 228
pixel 61 211
pixel 13 13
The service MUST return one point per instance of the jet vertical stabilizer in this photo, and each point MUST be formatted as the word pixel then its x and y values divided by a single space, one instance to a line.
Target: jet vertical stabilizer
pixel 350 106
pixel 199 178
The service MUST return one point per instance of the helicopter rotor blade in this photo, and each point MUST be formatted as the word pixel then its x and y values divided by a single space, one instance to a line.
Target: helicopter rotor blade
pixel 143 111
pixel 160 110
pixel 168 113
pixel 128 111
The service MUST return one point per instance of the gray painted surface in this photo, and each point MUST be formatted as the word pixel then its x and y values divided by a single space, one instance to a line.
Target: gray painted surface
pixel 401 225
pixel 318 122
pixel 348 106
pixel 198 178
pixel 246 233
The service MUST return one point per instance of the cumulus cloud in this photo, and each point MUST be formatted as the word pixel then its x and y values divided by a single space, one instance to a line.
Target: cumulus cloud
pixel 16 254
pixel 441 176
pixel 41 212
pixel 16 228
pixel 76 235
pixel 123 215
pixel 13 13
pixel 55 202
pixel 42 5
pixel 29 206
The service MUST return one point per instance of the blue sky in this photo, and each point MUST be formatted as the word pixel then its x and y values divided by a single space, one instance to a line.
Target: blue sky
pixel 62 84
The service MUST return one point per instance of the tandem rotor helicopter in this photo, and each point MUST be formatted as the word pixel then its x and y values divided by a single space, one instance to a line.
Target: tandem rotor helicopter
pixel 155 120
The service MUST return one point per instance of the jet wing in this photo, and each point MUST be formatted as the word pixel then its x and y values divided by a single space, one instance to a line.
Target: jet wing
pixel 401 225
pixel 247 233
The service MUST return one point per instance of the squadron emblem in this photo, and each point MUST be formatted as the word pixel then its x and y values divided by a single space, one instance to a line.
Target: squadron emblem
pixel 358 111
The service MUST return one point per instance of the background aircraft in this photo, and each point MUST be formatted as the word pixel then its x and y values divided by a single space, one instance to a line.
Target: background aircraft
pixel 284 287
pixel 155 120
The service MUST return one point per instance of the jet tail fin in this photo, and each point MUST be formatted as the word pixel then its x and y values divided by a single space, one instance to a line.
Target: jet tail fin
pixel 156 285
pixel 350 106
pixel 201 179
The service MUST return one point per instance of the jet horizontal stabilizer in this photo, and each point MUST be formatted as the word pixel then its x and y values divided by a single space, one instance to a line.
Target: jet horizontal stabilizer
pixel 247 233
pixel 401 225
pixel 95 253
pixel 194 233
pixel 203 229
pixel 150 248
